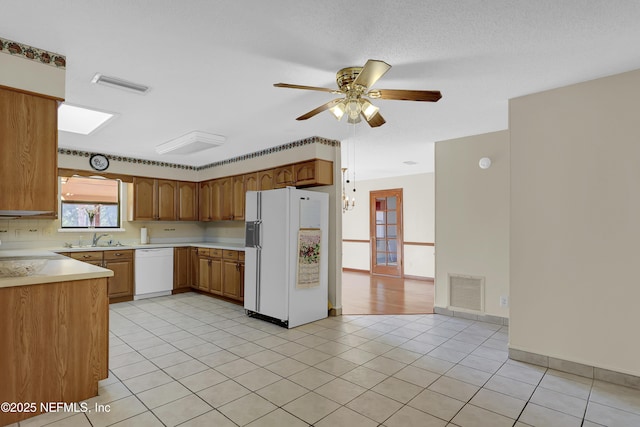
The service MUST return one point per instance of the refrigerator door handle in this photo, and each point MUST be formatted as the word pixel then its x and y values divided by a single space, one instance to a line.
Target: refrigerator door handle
pixel 258 275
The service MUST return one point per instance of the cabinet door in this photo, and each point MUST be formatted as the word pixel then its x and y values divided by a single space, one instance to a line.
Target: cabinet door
pixel 265 180
pixel 226 198
pixel 205 200
pixel 231 279
pixel 216 276
pixel 238 197
pixel 193 269
pixel 144 199
pixel 121 283
pixel 216 200
pixel 283 177
pixel 187 201
pixel 28 152
pixel 166 200
pixel 251 181
pixel 241 268
pixel 204 273
pixel 181 268
pixel 314 172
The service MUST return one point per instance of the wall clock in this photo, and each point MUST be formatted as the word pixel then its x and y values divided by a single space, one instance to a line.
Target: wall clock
pixel 99 162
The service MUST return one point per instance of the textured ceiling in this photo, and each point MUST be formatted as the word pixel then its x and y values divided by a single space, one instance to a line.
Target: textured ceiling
pixel 212 65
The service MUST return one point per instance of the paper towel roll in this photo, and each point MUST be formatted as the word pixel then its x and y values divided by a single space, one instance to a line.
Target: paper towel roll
pixel 144 237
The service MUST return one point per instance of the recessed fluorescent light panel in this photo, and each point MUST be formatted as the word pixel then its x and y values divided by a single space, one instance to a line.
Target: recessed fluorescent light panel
pixel 80 120
pixel 191 143
pixel 120 84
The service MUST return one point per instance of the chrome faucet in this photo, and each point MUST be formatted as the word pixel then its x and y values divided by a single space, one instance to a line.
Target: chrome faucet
pixel 96 238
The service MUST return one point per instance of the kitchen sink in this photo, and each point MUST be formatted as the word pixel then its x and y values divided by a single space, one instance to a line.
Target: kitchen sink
pixel 113 245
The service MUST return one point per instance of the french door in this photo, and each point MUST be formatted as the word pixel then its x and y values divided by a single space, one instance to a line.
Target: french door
pixel 386 232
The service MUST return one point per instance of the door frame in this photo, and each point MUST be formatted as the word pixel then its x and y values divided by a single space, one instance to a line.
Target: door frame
pixel 386 271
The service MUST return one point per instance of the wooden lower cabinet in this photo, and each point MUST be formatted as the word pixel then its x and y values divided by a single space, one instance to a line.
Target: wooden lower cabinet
pixel 210 270
pixel 121 262
pixel 233 275
pixel 121 283
pixel 181 269
pixel 219 272
pixel 193 269
pixel 55 343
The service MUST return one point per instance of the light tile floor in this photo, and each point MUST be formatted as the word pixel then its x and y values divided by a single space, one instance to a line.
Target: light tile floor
pixel 192 360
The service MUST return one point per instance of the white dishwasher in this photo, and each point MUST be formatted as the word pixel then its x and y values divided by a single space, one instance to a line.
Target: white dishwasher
pixel 153 272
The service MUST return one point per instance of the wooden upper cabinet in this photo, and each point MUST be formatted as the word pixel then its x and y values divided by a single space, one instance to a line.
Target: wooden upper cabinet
pixel 283 176
pixel 153 199
pixel 314 172
pixel 142 197
pixel 238 197
pixel 28 151
pixel 166 194
pixel 187 201
pixel 251 181
pixel 226 198
pixel 205 194
pixel 265 180
pixel 216 200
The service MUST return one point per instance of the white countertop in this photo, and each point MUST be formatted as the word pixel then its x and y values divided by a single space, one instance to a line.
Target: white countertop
pixel 62 269
pixel 229 246
pixel 57 269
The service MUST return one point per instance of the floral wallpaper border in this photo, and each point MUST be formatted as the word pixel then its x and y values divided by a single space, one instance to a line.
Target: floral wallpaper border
pixel 32 53
pixel 267 151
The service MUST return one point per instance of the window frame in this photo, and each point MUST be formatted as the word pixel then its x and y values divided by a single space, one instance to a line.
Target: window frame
pixel 119 204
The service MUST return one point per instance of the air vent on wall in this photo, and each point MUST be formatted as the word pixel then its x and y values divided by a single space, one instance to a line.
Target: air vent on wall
pixel 120 84
pixel 466 292
pixel 191 143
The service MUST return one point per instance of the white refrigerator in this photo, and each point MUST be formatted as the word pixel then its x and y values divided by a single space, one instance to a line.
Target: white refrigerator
pixel 286 256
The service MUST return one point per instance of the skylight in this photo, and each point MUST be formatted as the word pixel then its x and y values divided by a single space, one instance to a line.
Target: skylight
pixel 80 120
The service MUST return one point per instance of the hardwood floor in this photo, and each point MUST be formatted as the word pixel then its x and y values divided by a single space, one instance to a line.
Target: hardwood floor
pixel 363 293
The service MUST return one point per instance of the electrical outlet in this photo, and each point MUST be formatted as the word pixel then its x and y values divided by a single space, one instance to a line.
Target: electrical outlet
pixel 504 301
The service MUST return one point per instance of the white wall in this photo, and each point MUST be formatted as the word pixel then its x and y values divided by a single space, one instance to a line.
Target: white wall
pixel 30 75
pixel 418 210
pixel 472 216
pixel 575 223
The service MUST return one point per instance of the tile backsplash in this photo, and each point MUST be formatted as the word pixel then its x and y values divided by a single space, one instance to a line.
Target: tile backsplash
pixel 31 233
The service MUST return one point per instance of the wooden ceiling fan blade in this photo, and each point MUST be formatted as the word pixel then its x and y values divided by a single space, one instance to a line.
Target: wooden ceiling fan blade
pixel 406 95
pixel 320 109
pixel 321 89
pixel 371 72
pixel 375 120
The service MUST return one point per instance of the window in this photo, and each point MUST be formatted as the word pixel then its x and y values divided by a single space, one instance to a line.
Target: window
pixel 89 202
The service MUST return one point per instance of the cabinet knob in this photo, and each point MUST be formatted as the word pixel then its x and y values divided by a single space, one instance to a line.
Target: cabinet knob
pixel 86 256
pixel 118 254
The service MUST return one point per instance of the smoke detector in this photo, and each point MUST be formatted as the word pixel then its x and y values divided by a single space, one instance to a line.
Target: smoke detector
pixel 190 143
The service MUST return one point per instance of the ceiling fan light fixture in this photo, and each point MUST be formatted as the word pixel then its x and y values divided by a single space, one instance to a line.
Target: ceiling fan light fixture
pixel 338 110
pixel 368 109
pixel 353 110
pixel 354 120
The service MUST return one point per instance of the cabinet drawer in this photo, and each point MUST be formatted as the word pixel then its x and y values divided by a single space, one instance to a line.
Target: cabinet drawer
pixel 240 255
pixel 111 255
pixel 204 252
pixel 87 256
pixel 226 254
pixel 215 253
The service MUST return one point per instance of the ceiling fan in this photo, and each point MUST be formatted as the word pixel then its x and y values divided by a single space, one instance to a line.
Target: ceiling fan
pixel 354 84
